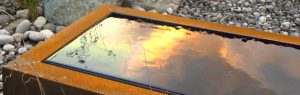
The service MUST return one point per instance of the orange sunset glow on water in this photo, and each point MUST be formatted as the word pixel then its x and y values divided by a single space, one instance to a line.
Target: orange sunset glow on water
pixel 183 61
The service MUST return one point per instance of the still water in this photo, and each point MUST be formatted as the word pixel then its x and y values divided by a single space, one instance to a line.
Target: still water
pixel 183 61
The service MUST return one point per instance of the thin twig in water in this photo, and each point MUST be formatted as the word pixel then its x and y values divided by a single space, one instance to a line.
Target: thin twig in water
pixel 147 75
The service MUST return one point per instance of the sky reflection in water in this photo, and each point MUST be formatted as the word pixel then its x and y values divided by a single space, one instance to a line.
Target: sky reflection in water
pixel 183 61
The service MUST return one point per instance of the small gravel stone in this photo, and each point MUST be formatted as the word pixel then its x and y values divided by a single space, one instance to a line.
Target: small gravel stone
pixel 2 8
pixel 36 36
pixel 262 9
pixel 283 28
pixel 4 19
pixel 247 9
pixel 47 33
pixel 262 19
pixel 245 24
pixel 8 47
pixel 297 21
pixel 169 10
pixel 1 78
pixel 23 26
pixel 28 46
pixel 284 32
pixel 2 53
pixel 269 7
pixel 286 24
pixel 9 56
pixel 238 9
pixel 13 50
pixel 59 28
pixel 33 28
pixel 11 27
pixel 6 39
pixel 262 1
pixel 252 1
pixel 12 53
pixel 40 10
pixel 22 13
pixel 50 26
pixel 1 85
pixel 269 1
pixel 296 34
pixel 230 23
pixel 4 32
pixel 239 16
pixel 256 14
pixel 138 8
pixel 19 37
pixel 26 34
pixel 22 50
pixel 40 22
pixel 293 29
pixel 153 11
pixel 214 19
pixel 246 4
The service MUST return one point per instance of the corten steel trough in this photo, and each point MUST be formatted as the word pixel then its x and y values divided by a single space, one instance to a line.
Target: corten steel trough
pixel 120 51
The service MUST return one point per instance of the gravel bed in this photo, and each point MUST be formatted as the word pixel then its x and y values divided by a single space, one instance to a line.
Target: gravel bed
pixel 19 33
pixel 275 16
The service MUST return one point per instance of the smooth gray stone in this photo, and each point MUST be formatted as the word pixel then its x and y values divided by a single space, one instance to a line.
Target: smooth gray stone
pixel 6 39
pixel 40 22
pixel 12 26
pixel 23 14
pixel 4 32
pixel 23 26
pixel 36 36
pixel 64 12
pixel 4 19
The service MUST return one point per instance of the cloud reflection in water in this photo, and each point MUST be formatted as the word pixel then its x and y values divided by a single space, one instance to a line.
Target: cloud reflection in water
pixel 185 61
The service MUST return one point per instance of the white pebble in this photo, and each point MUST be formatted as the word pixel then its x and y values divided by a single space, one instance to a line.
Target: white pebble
pixel 36 36
pixel 262 19
pixel 284 33
pixel 8 47
pixel 40 22
pixel 286 24
pixel 169 10
pixel 22 50
pixel 47 33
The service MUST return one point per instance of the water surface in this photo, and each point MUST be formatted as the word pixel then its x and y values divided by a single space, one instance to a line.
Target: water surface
pixel 183 61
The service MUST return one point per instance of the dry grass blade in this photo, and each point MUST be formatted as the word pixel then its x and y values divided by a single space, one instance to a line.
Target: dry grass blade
pixel 31 5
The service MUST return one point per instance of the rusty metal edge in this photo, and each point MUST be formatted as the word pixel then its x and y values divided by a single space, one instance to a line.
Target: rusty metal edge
pixel 74 78
pixel 47 48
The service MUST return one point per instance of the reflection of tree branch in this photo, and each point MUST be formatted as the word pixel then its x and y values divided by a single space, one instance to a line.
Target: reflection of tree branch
pixel 86 41
pixel 81 52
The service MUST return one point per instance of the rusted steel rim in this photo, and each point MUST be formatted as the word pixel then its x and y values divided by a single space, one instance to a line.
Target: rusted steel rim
pixel 93 83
